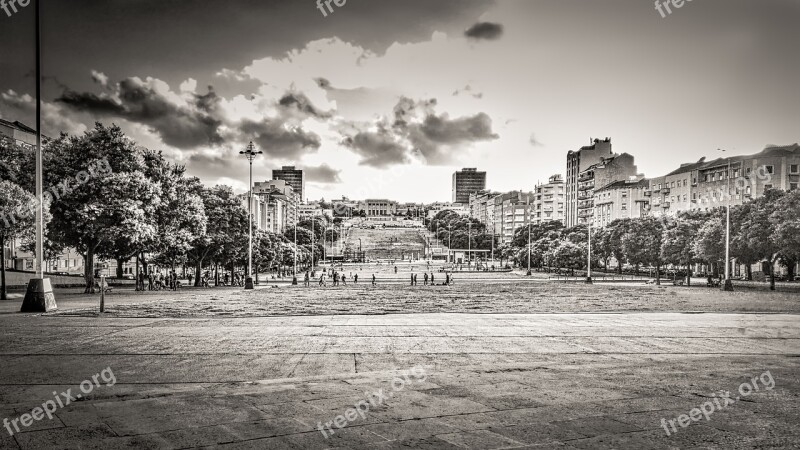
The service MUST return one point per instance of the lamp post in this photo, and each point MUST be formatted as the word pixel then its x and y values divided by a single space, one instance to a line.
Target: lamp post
pixel 294 276
pixel 589 254
pixel 39 296
pixel 528 216
pixel 728 286
pixel 469 243
pixel 250 153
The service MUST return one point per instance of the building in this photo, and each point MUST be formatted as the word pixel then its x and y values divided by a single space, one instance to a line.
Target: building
pixel 465 182
pixel 577 162
pixel 295 179
pixel 275 205
pixel 378 207
pixel 479 206
pixel 549 200
pixel 626 199
pixel 17 133
pixel 511 211
pixel 607 171
pixel 706 185
pixel 437 207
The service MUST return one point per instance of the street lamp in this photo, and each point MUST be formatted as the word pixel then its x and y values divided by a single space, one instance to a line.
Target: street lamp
pixel 250 153
pixel 528 216
pixel 589 253
pixel 469 243
pixel 294 276
pixel 39 295
pixel 728 286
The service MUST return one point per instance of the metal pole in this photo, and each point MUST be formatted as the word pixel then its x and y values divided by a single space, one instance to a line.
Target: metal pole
pixel 250 220
pixel 728 283
pixel 527 214
pixel 39 172
pixel 589 254
pixel 294 276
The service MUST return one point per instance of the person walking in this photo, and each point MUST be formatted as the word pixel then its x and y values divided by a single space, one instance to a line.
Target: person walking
pixel 412 279
pixel 344 279
pixel 306 280
pixel 355 279
pixel 425 279
pixel 373 279
pixel 150 282
pixel 432 279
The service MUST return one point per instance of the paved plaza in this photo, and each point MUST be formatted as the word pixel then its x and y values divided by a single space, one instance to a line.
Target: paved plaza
pixel 283 367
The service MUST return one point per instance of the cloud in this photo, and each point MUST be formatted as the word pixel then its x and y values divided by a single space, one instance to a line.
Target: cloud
pixel 534 141
pixel 100 78
pixel 275 138
pixel 301 104
pixel 485 30
pixel 418 131
pixel 54 118
pixel 180 123
pixel 322 174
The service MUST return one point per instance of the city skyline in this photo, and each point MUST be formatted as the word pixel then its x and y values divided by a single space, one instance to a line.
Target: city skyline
pixel 443 86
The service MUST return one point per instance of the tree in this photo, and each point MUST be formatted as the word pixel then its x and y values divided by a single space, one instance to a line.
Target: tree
pixel 709 243
pixel 785 219
pixel 676 248
pixel 568 255
pixel 642 243
pixel 762 232
pixel 17 221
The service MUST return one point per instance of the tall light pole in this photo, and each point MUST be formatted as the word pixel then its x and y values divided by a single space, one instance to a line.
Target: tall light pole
pixel 294 276
pixel 469 243
pixel 39 296
pixel 728 286
pixel 528 215
pixel 589 253
pixel 313 232
pixel 250 153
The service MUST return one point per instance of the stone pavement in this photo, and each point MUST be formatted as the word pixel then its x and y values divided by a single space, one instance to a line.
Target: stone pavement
pixel 490 380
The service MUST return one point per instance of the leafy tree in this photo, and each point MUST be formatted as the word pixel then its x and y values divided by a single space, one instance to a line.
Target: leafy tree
pixel 17 221
pixel 642 243
pixel 676 248
pixel 762 232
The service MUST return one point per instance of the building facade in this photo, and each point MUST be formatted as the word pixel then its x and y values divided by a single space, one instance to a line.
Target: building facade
pixel 378 207
pixel 625 199
pixel 465 182
pixel 275 205
pixel 549 201
pixel 577 162
pixel 17 133
pixel 599 175
pixel 295 179
pixel 511 211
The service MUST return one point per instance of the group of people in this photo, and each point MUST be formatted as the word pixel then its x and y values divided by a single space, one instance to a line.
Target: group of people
pixel 158 282
pixel 448 279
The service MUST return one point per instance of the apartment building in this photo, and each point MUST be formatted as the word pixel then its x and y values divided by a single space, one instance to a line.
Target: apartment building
pixel 626 199
pixel 275 205
pixel 549 201
pixel 511 211
pixel 465 182
pixel 607 171
pixel 294 177
pixel 577 162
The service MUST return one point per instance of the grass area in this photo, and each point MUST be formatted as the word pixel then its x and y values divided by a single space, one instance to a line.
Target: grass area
pixel 466 297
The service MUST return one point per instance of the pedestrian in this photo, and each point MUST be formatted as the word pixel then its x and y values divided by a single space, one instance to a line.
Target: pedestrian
pixel 447 279
pixel 412 279
pixel 344 279
pixel 335 278
pixel 140 282
pixel 355 279
pixel 425 279
pixel 191 277
pixel 373 279
pixel 150 282
pixel 306 279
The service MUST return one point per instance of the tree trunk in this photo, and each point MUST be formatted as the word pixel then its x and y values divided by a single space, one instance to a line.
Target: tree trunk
pixel 198 272
pixel 772 274
pixel 688 274
pixel 3 267
pixel 119 268
pixel 658 275
pixel 748 270
pixel 88 269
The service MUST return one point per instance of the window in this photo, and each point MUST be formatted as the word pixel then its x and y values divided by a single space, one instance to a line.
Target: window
pixel 792 186
pixel 770 169
pixel 684 197
pixel 767 187
pixel 747 171
pixel 794 168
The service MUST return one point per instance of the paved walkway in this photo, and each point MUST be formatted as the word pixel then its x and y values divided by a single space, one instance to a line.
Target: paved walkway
pixel 471 381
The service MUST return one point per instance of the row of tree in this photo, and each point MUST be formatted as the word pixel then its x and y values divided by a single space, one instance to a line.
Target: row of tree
pixel 141 207
pixel 765 229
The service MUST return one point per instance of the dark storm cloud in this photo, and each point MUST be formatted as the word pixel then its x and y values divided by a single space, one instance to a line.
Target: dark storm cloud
pixel 418 130
pixel 377 149
pixel 300 103
pixel 180 126
pixel 485 30
pixel 322 174
pixel 274 139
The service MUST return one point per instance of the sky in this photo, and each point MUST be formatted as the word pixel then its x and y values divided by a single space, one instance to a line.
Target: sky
pixel 386 99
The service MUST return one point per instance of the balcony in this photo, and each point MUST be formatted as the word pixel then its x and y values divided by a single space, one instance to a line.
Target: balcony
pixel 584 213
pixel 665 191
pixel 665 205
pixel 586 177
pixel 648 193
pixel 656 189
pixel 583 195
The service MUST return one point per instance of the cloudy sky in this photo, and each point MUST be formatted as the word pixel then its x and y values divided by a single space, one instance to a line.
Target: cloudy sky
pixel 386 98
